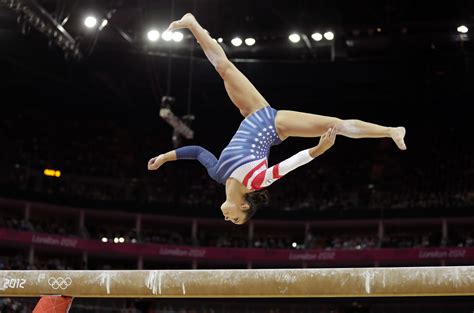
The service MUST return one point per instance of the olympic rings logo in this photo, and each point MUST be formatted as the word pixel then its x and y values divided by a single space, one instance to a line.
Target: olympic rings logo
pixel 59 283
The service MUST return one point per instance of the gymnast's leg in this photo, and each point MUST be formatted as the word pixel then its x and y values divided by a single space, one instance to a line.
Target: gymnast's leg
pixel 240 90
pixel 298 124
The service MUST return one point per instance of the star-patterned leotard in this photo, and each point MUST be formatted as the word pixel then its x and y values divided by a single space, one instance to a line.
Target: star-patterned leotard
pixel 245 157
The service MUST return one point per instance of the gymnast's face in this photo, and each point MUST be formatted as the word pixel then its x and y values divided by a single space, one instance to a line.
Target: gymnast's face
pixel 234 212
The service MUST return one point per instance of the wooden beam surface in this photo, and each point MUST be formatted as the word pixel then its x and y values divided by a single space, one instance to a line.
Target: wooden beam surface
pixel 258 283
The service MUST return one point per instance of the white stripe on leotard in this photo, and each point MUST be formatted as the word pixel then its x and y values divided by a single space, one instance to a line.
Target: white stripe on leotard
pixel 252 124
pixel 233 148
pixel 247 158
pixel 229 160
pixel 243 132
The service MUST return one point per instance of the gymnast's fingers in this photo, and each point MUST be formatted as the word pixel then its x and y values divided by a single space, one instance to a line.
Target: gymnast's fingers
pixel 151 163
pixel 333 134
pixel 326 133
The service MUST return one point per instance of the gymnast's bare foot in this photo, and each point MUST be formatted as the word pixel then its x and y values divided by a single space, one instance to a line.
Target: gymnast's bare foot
pixel 398 135
pixel 185 22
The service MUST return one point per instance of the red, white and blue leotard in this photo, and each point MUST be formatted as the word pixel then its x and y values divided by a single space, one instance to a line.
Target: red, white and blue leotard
pixel 245 157
pixel 256 175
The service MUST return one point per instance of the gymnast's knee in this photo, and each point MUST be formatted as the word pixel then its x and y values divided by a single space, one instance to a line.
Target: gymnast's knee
pixel 338 124
pixel 346 127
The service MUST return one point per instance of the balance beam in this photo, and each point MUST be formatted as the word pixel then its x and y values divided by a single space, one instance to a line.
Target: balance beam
pixel 258 283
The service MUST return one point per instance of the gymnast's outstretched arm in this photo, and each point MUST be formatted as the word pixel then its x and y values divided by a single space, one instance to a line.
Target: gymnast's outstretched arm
pixel 270 175
pixel 156 162
pixel 206 158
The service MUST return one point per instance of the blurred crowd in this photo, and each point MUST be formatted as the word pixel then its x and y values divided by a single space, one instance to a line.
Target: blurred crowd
pixel 165 234
pixel 13 305
pixel 101 160
pixel 84 305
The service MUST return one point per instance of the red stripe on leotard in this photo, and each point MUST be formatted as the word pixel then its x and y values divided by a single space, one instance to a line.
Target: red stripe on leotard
pixel 249 174
pixel 275 172
pixel 258 180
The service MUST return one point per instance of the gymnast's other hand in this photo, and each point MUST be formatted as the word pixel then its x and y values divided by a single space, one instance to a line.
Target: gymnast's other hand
pixel 327 139
pixel 156 162
pixel 325 142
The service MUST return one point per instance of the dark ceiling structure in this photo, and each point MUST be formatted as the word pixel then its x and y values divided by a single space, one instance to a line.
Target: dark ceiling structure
pixel 405 53
pixel 363 29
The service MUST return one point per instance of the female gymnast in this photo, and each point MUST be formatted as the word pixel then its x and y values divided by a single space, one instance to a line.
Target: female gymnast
pixel 242 166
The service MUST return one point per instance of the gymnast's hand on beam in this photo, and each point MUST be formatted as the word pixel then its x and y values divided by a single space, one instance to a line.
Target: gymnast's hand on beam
pixel 156 162
pixel 325 142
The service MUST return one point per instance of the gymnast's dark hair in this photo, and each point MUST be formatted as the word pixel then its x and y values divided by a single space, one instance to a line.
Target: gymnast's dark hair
pixel 256 200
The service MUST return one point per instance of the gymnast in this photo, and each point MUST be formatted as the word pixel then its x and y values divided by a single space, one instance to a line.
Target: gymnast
pixel 242 166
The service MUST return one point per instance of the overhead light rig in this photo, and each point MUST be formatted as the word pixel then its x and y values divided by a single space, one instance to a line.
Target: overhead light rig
pixel 32 14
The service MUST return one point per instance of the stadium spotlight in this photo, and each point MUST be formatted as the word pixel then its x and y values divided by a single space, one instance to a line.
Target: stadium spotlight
pixel 462 29
pixel 220 40
pixel 294 38
pixel 104 239
pixel 177 36
pixel 236 41
pixel 153 35
pixel 329 35
pixel 90 21
pixel 121 240
pixel 167 36
pixel 249 41
pixel 103 24
pixel 116 240
pixel 317 36
pixel 294 244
